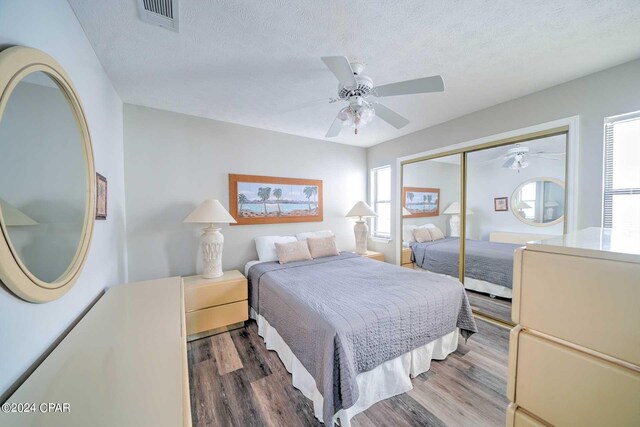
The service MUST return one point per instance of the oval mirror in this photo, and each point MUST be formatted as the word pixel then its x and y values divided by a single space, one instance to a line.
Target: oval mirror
pixel 47 180
pixel 539 202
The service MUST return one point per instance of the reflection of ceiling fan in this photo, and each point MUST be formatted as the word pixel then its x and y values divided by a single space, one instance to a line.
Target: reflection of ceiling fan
pixel 516 158
pixel 356 89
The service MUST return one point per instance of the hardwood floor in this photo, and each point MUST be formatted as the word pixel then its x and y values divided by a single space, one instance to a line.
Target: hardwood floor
pixel 236 381
pixel 497 307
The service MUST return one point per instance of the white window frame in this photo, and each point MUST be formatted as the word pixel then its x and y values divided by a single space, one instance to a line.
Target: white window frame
pixel 374 203
pixel 607 170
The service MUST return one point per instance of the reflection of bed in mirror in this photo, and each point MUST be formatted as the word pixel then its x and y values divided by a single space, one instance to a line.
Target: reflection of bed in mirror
pixel 488 263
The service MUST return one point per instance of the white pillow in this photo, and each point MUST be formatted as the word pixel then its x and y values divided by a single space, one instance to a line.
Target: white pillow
pixel 321 233
pixel 407 233
pixel 266 248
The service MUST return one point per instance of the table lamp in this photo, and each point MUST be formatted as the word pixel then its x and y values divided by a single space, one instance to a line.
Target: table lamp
pixel 361 230
pixel 454 221
pixel 211 241
pixel 13 216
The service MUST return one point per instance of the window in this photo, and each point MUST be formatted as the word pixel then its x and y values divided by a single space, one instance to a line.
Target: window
pixel 621 206
pixel 381 201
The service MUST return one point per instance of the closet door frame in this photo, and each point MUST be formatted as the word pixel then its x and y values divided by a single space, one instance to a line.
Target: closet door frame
pixel 568 127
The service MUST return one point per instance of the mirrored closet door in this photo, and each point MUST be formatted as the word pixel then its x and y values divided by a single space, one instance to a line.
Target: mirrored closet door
pixel 491 199
pixel 514 193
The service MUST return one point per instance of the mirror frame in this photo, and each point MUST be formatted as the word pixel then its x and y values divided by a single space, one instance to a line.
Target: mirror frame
pixel 16 63
pixel 536 224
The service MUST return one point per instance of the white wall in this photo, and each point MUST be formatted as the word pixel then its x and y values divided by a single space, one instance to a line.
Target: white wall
pixel 594 97
pixel 27 330
pixel 174 161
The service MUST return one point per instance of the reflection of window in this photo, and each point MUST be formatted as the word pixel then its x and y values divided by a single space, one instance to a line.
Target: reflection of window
pixel 528 201
pixel 381 201
pixel 621 207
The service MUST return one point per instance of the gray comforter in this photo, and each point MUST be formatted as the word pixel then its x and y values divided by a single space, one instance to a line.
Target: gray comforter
pixel 347 314
pixel 488 261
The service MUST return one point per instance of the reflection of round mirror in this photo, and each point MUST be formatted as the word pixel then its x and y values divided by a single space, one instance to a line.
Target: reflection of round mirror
pixel 47 180
pixel 539 202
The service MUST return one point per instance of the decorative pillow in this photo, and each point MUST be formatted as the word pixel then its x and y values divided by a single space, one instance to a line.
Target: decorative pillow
pixel 322 246
pixel 422 234
pixel 293 251
pixel 321 233
pixel 436 233
pixel 265 246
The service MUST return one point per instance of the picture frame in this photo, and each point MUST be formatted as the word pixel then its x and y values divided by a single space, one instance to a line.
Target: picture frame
pixel 256 199
pixel 101 197
pixel 421 201
pixel 501 204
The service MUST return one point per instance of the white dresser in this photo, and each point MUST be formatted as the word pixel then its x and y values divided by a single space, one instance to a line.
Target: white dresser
pixel 124 364
pixel 574 355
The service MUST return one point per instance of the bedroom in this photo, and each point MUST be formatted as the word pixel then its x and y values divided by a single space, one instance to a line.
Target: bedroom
pixel 174 115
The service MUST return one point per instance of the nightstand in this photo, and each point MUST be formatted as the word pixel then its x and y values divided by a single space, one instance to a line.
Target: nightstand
pixel 406 258
pixel 378 256
pixel 215 305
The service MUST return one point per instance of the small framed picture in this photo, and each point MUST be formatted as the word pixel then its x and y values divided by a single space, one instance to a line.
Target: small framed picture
pixel 500 204
pixel 101 197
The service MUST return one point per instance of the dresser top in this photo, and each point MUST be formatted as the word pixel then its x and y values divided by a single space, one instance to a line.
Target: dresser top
pixel 121 365
pixel 594 242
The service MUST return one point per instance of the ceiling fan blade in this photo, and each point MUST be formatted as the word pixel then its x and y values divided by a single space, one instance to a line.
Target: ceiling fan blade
pixel 509 162
pixel 340 67
pixel 408 87
pixel 390 116
pixel 335 128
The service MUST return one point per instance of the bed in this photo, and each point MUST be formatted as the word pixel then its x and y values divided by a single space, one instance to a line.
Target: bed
pixel 351 330
pixel 488 265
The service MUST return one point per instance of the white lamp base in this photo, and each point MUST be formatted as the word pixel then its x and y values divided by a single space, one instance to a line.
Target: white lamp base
pixel 361 230
pixel 454 226
pixel 211 242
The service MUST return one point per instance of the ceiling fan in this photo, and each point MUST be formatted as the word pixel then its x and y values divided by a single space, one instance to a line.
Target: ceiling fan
pixel 516 158
pixel 357 89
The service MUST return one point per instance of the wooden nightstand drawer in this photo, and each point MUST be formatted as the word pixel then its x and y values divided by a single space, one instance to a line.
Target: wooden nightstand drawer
pixel 202 293
pixel 216 317
pixel 406 256
pixel 378 256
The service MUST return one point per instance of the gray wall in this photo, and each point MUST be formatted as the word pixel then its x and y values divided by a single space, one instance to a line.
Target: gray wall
pixel 29 329
pixel 594 97
pixel 174 161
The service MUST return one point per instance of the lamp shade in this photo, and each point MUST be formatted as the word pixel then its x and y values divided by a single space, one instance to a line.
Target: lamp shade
pixel 454 209
pixel 210 212
pixel 405 211
pixel 361 209
pixel 13 216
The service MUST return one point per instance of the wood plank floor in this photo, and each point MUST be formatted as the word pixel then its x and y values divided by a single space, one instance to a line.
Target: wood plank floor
pixel 497 307
pixel 236 381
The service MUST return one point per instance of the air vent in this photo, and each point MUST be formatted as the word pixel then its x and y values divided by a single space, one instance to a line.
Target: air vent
pixel 160 12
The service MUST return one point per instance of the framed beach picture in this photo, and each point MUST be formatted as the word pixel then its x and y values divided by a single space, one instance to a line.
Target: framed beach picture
pixel 257 199
pixel 500 204
pixel 101 197
pixel 421 201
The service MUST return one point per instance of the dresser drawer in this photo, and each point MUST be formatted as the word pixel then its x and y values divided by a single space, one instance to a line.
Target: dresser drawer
pixel 587 301
pixel 209 295
pixel 410 265
pixel 516 417
pixel 216 317
pixel 567 387
pixel 406 256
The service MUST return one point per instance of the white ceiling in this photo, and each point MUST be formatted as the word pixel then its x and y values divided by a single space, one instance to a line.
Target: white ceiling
pixel 255 62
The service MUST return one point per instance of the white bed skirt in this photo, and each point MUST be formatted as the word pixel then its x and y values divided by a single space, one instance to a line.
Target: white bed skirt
pixel 386 380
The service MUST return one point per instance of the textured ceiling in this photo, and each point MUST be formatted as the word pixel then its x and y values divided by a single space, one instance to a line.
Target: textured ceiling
pixel 257 62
